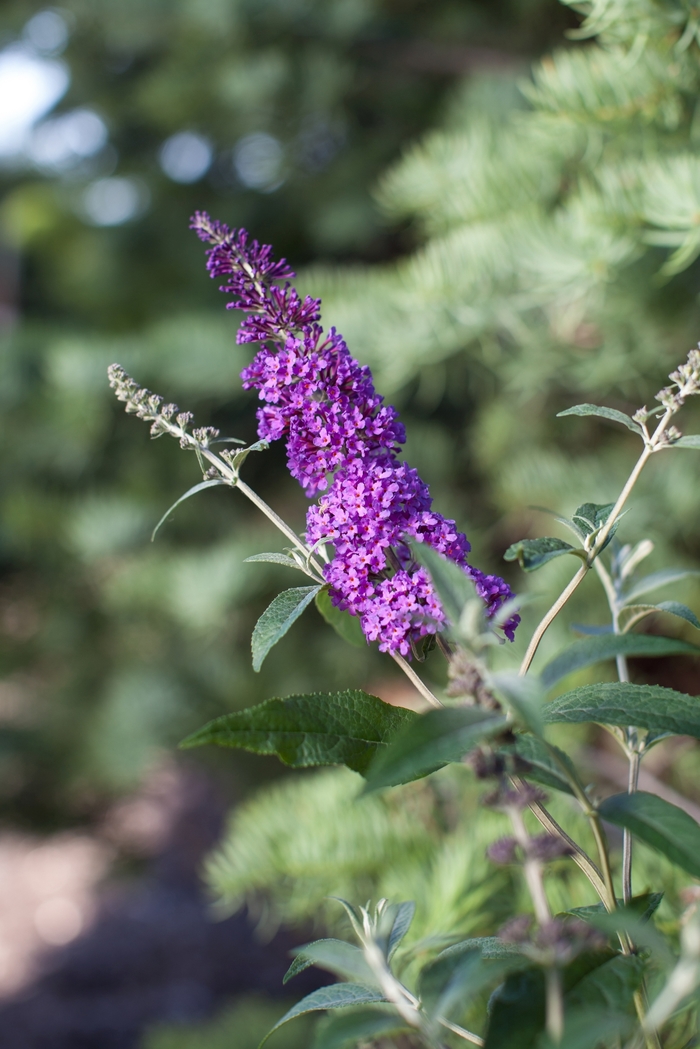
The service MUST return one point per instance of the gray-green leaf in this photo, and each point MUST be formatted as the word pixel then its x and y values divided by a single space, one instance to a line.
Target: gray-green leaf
pixel 675 608
pixel 276 559
pixel 431 741
pixel 524 697
pixel 277 618
pixel 336 996
pixel 531 554
pixel 657 580
pixel 656 822
pixel 453 585
pixel 214 483
pixel 534 760
pixel 343 623
pixel 339 957
pixel 323 728
pixel 604 413
pixel 622 703
pixel 597 649
pixel 691 441
pixel 358 1025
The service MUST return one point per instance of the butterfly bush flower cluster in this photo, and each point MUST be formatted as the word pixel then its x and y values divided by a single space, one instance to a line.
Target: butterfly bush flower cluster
pixel 343 445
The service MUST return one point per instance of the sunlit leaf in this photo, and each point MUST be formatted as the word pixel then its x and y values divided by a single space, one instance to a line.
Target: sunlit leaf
pixel 277 618
pixel 337 956
pixel 605 413
pixel 324 728
pixel 662 710
pixel 214 483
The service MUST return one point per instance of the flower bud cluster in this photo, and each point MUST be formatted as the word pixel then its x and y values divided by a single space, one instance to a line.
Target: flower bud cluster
pixel 343 442
pixel 164 418
pixel 557 942
pixel 685 383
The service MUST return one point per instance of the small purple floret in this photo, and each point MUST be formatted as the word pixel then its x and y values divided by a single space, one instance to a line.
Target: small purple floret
pixel 342 441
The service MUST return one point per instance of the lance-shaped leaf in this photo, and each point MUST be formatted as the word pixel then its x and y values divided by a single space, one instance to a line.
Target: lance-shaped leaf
pixel 656 580
pixel 358 1025
pixel 343 623
pixel 275 559
pixel 453 585
pixel 675 608
pixel 531 554
pixel 691 441
pixel 431 741
pixel 604 413
pixel 214 483
pixel 534 760
pixel 661 710
pixel 337 956
pixel 592 650
pixel 324 728
pixel 524 697
pixel 402 915
pixel 658 823
pixel 336 996
pixel 277 618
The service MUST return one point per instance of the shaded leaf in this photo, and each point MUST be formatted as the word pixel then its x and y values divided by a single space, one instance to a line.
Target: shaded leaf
pixel 323 728
pixel 643 907
pixel 339 957
pixel 275 559
pixel 453 585
pixel 605 413
pixel 675 608
pixel 361 1024
pixel 431 741
pixel 597 649
pixel 622 703
pixel 214 483
pixel 656 580
pixel 531 554
pixel 534 761
pixel 460 973
pixel 611 986
pixel 585 1031
pixel 336 996
pixel 691 441
pixel 591 629
pixel 343 623
pixel 277 618
pixel 656 822
pixel 524 697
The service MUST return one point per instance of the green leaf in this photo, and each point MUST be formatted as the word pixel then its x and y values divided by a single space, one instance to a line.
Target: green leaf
pixel 275 559
pixel 359 1025
pixel 657 580
pixel 604 413
pixel 691 441
pixel 591 650
pixel 643 907
pixel 517 1011
pixel 324 728
pixel 449 981
pixel 336 996
pixel 656 822
pixel 431 741
pixel 531 554
pixel 610 986
pixel 621 703
pixel 339 957
pixel 192 491
pixel 675 608
pixel 534 761
pixel 343 623
pixel 404 913
pixel 455 588
pixel 590 517
pixel 585 1031
pixel 277 618
pixel 524 696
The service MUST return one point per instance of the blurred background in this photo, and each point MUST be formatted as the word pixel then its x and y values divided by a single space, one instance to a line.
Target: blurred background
pixel 497 236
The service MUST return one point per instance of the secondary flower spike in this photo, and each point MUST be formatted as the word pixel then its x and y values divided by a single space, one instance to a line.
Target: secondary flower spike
pixel 342 442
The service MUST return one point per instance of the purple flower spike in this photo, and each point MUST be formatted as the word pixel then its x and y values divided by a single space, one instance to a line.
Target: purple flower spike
pixel 344 442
